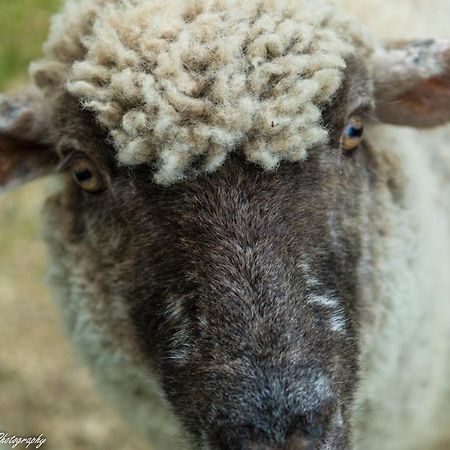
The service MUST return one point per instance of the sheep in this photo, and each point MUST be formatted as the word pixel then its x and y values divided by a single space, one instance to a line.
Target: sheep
pixel 238 264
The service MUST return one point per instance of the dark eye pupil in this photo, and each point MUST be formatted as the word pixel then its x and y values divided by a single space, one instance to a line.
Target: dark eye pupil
pixel 354 132
pixel 83 175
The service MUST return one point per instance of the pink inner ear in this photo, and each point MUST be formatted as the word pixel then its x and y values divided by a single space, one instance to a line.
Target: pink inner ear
pixel 428 104
pixel 430 96
pixel 9 159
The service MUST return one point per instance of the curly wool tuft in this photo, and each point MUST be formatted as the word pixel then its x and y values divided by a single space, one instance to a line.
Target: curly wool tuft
pixel 181 84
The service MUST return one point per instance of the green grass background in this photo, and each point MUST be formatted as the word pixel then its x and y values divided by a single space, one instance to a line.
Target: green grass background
pixel 23 27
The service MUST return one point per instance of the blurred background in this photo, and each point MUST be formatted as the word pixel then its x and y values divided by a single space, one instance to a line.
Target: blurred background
pixel 43 389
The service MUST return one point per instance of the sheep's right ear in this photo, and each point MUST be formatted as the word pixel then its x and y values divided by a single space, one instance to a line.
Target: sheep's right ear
pixel 412 83
pixel 24 150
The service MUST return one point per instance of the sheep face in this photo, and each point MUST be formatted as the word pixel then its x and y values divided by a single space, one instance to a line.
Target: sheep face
pixel 237 294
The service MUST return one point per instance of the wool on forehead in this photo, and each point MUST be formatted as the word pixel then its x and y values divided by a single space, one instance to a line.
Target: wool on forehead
pixel 180 84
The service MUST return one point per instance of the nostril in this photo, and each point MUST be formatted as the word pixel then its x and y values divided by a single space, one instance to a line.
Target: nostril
pixel 287 431
pixel 314 424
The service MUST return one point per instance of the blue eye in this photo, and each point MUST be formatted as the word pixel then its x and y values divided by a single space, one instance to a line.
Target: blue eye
pixel 354 132
pixel 352 135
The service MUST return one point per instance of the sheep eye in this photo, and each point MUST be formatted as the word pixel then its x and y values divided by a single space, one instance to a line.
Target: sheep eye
pixel 87 176
pixel 352 134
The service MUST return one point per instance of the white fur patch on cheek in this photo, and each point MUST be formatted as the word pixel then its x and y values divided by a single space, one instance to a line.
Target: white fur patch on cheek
pixel 323 387
pixel 181 346
pixel 310 281
pixel 328 301
pixel 338 322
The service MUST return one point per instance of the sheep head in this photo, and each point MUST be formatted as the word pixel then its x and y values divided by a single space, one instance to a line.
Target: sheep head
pixel 238 290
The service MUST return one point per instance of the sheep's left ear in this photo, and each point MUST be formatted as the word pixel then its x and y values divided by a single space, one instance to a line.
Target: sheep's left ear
pixel 412 83
pixel 24 150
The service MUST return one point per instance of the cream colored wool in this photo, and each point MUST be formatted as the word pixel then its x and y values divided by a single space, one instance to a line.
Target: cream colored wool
pixel 181 84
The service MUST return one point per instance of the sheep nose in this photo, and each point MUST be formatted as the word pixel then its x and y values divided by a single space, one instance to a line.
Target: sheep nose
pixel 313 425
pixel 296 433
